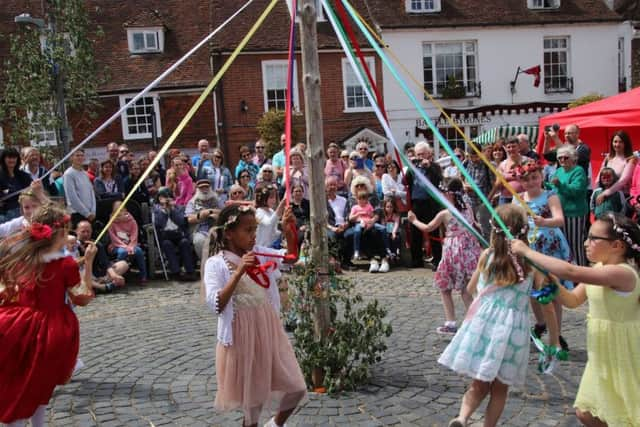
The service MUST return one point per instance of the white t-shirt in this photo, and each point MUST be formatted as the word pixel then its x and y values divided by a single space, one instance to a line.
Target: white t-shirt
pixel 267 231
pixel 338 205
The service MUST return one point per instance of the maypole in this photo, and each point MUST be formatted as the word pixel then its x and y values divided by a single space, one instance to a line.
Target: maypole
pixel 315 154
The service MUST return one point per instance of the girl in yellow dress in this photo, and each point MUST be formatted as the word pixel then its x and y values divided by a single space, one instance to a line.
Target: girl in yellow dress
pixel 608 393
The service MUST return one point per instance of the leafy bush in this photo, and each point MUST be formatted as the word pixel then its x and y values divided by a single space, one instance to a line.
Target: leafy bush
pixel 592 97
pixel 353 343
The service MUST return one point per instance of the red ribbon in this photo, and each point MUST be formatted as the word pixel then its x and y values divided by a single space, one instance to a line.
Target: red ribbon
pixel 289 100
pixel 41 231
pixel 259 273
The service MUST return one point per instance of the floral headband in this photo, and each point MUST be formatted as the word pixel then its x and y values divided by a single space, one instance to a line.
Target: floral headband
pixel 624 234
pixel 525 169
pixel 234 218
pixel 41 231
pixel 517 234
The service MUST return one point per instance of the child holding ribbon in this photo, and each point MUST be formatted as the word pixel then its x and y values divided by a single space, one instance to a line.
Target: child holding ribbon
pixel 40 333
pixel 608 392
pixel 492 345
pixel 255 362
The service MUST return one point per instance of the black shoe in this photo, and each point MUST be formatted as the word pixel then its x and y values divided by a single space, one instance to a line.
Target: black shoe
pixel 563 343
pixel 539 329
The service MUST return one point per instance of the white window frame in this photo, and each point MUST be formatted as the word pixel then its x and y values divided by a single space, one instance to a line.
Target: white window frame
pixel 1 137
pixel 466 80
pixel 158 32
pixel 125 122
pixel 41 137
pixel 319 11
pixel 543 4
pixel 423 6
pixel 347 72
pixel 622 65
pixel 548 67
pixel 284 63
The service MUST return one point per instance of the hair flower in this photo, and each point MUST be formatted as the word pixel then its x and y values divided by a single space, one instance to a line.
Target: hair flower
pixel 41 231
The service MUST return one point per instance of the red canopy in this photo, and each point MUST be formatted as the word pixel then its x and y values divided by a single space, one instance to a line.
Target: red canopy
pixel 598 121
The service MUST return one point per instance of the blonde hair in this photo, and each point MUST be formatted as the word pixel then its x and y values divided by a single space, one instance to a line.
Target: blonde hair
pixel 21 255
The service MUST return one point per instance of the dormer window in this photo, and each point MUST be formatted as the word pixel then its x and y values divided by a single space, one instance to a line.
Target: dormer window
pixel 543 4
pixel 423 6
pixel 145 40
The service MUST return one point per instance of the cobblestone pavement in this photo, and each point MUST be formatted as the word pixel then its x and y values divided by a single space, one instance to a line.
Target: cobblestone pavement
pixel 149 355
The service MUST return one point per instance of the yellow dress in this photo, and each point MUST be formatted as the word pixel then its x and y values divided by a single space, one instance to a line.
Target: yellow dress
pixel 610 385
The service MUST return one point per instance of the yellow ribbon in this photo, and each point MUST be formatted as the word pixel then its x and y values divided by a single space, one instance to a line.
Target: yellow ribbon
pixel 190 114
pixel 498 175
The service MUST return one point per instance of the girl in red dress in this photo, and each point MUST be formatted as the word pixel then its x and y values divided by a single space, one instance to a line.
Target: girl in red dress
pixel 39 332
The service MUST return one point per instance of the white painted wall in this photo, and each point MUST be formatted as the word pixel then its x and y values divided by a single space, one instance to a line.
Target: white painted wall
pixel 593 65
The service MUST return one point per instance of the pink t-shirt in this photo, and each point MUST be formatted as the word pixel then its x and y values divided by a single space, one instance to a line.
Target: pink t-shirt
pixel 336 169
pixel 363 212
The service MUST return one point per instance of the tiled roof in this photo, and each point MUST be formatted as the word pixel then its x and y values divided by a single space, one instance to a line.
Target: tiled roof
pixel 630 9
pixel 146 18
pixel 392 14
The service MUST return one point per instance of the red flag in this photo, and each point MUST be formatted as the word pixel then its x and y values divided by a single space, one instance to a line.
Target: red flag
pixel 534 71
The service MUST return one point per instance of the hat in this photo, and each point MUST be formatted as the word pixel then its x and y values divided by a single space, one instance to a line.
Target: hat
pixel 164 192
pixel 202 182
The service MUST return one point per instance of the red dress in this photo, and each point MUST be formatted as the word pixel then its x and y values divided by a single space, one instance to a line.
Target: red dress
pixel 39 339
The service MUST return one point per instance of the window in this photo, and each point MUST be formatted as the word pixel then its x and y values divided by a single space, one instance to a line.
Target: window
pixel 423 6
pixel 450 69
pixel 355 98
pixel 556 65
pixel 1 137
pixel 145 40
pixel 543 4
pixel 137 120
pixel 41 136
pixel 454 139
pixel 319 10
pixel 274 84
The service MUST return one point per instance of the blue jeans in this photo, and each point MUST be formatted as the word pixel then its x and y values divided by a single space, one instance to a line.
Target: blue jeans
pixel 122 254
pixel 357 235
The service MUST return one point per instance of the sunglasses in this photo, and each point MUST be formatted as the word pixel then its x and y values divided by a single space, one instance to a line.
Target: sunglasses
pixel 124 151
pixel 563 157
pixel 233 193
pixel 217 156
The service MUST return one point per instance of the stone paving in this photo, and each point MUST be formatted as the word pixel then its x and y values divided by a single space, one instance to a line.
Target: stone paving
pixel 149 354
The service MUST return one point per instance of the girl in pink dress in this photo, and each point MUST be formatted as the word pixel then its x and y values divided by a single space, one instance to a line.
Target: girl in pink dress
pixel 460 253
pixel 255 363
pixel 39 335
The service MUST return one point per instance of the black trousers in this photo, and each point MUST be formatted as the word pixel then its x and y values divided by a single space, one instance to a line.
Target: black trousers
pixel 425 211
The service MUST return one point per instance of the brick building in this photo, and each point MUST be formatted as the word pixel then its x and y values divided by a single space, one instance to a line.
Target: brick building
pixel 143 38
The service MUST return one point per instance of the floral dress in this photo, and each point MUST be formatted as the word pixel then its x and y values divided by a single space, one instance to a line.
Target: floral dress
pixel 547 240
pixel 460 253
pixel 493 341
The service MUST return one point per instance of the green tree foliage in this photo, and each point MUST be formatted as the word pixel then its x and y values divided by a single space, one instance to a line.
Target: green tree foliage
pixel 270 127
pixel 32 66
pixel 592 97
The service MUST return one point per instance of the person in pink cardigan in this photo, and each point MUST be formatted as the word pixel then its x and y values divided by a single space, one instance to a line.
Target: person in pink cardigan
pixel 124 239
pixel 182 187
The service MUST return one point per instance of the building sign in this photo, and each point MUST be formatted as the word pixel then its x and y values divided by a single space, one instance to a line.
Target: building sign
pixel 464 121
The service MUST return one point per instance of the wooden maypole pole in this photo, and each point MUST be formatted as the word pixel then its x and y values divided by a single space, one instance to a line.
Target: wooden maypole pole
pixel 315 154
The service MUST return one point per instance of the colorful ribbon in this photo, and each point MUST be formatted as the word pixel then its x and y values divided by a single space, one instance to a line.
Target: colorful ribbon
pixel 289 102
pixel 203 97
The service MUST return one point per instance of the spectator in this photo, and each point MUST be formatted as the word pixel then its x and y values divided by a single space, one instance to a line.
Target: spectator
pixel 623 163
pixel 393 188
pixel 93 169
pixel 103 269
pixel 570 182
pixel 237 195
pixel 337 219
pixel 107 186
pixel 391 222
pixel 181 182
pixel 173 234
pixel 123 234
pixel 301 210
pixel 141 195
pixel 357 168
pixel 487 150
pixel 267 214
pixel 259 159
pixel 245 164
pixel 452 171
pixel 220 178
pixel 153 181
pixel 572 137
pixel 344 156
pixel 298 173
pixel 159 168
pixel 201 212
pixel 33 166
pixel 362 148
pixel 202 160
pixel 78 191
pixel 525 147
pixel 30 199
pixel 499 155
pixel 336 167
pixel 113 153
pixel 616 202
pixel 279 159
pixel 12 180
pixel 266 175
pixel 365 220
pixel 244 181
pixel 507 169
pixel 380 162
pixel 483 177
pixel 122 165
pixel 424 206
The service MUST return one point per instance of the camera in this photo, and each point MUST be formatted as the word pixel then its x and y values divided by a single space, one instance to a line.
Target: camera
pixel 417 161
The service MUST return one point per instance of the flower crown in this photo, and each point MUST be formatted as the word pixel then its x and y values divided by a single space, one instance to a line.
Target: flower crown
pixel 40 231
pixel 525 169
pixel 517 233
pixel 242 209
pixel 624 234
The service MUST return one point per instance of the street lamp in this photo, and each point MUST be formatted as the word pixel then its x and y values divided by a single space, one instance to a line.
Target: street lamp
pixel 64 133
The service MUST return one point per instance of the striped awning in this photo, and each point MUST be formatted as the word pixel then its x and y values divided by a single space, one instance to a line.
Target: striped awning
pixel 491 135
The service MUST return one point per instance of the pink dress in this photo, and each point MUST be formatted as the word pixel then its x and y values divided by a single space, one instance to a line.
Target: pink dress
pixel 460 253
pixel 255 363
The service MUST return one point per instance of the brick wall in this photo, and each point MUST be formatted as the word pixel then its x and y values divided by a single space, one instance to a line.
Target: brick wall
pixel 243 81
